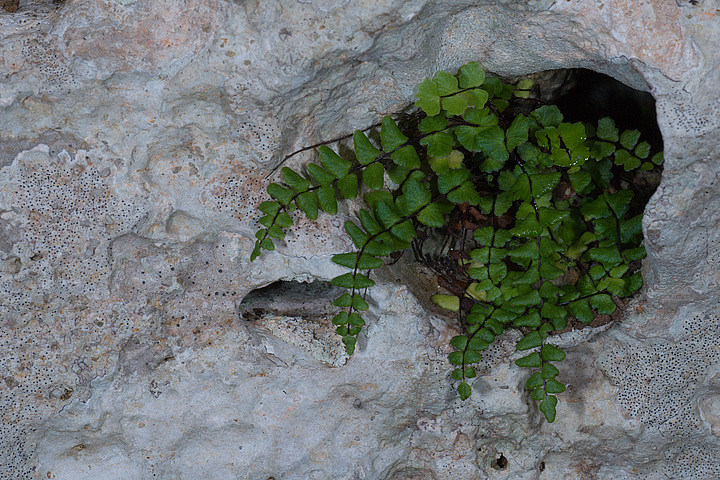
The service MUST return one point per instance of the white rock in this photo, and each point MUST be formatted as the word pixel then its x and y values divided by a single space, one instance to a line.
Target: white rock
pixel 135 141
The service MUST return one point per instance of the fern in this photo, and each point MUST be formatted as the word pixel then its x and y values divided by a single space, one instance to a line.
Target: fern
pixel 544 232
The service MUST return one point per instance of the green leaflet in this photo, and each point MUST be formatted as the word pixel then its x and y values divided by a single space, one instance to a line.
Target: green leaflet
pixel 269 208
pixel 433 123
pixel 397 173
pixel 582 311
pixel 532 360
pixel 348 186
pixel 484 235
pixel 432 216
pixel 455 105
pixel 296 181
pixel 547 407
pixel 601 150
pixel 549 271
pixel 489 140
pixel 452 179
pixel 417 195
pixel 553 386
pixel 543 183
pixel 406 157
pixel 348 280
pixel 464 391
pixel 446 83
pixel 374 176
pixel 351 260
pixel 551 353
pixel 529 153
pixel 404 231
pixel 606 130
pixel 476 98
pixel 448 302
pixel 355 320
pixel 598 208
pixel 390 135
pixel 471 75
pixel 528 251
pixel 358 237
pixel 548 116
pixel 308 203
pixel 626 160
pixel 387 215
pixel 538 394
pixel 629 138
pixel 520 189
pixel 608 256
pixel 266 221
pixel 379 249
pixel 276 232
pixel 481 117
pixel 529 227
pixel 374 198
pixel 526 300
pixel 555 313
pixel 548 371
pixel 603 304
pixel 633 254
pixel 359 303
pixel 494 326
pixel 517 133
pixel 368 222
pixel 642 150
pixel 337 165
pixel 531 340
pixel 267 244
pixel 550 216
pixel 618 202
pixel 327 200
pixel 471 356
pixel 464 193
pixel 532 320
pixel 364 150
pixel 572 134
pixel 534 381
pixel 477 343
pixel 459 342
pixel 349 344
pixel 438 144
pixel 633 283
pixel 282 194
pixel 283 220
pixel 580 181
pixel 428 97
pixel 322 176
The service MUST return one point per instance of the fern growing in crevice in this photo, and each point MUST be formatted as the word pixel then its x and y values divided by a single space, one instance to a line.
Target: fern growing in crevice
pixel 541 211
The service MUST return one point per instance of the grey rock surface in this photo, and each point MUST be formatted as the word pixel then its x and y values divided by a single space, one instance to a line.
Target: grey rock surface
pixel 135 138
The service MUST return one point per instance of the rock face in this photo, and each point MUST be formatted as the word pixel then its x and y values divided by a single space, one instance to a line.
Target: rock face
pixel 136 136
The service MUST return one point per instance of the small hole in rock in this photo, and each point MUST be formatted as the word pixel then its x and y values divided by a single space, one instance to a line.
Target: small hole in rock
pixel 595 95
pixel 288 298
pixel 500 463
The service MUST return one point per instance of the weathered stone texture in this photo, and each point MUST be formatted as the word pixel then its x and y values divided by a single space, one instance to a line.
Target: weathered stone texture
pixel 135 138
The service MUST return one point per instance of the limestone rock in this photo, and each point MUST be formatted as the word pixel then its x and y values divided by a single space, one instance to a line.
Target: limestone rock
pixel 135 141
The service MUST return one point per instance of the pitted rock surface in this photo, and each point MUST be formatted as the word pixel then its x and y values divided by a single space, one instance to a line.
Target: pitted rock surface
pixel 135 141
